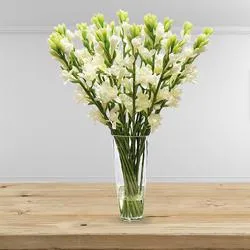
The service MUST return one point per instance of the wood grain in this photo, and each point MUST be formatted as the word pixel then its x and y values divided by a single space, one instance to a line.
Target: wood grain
pixel 85 216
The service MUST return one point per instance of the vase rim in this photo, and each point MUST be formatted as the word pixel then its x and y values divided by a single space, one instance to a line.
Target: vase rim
pixel 131 136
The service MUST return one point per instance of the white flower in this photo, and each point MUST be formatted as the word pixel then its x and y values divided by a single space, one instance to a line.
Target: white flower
pixel 145 53
pixel 119 58
pixel 91 66
pixel 128 61
pixel 142 102
pixel 158 63
pixel 154 121
pixel 159 32
pixel 106 93
pixel 118 30
pixel 91 36
pixel 127 102
pixel 113 116
pixel 67 45
pixel 67 76
pixel 190 73
pixel 173 58
pixel 172 97
pixel 114 41
pixel 81 96
pixel 176 69
pixel 89 72
pixel 126 26
pixel 137 42
pixel 187 52
pixel 164 42
pixel 96 115
pixel 163 94
pixel 70 34
pixel 127 84
pixel 78 34
pixel 82 55
pixel 145 76
pixel 98 62
pixel 98 48
pixel 165 39
pixel 117 70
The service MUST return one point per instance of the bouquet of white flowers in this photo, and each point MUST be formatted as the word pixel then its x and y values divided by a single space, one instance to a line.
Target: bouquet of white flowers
pixel 128 73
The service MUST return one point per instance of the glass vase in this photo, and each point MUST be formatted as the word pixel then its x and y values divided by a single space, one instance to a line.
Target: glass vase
pixel 130 159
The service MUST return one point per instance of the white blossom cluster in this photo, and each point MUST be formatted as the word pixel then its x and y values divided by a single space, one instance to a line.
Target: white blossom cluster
pixel 128 72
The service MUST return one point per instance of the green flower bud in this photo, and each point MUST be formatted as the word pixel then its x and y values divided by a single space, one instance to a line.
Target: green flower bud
pixel 187 28
pixel 83 28
pixel 208 31
pixel 135 30
pixel 148 44
pixel 112 27
pixel 98 20
pixel 200 42
pixel 167 24
pixel 55 42
pixel 61 29
pixel 101 35
pixel 171 42
pixel 122 16
pixel 178 47
pixel 150 22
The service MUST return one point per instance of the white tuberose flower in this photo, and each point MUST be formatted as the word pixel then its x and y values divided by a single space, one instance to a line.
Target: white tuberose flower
pixel 114 41
pixel 96 115
pixel 127 102
pixel 82 55
pixel 190 73
pixel 106 93
pixel 159 32
pixel 172 97
pixel 154 121
pixel 67 45
pixel 145 76
pixel 137 42
pixel 81 96
pixel 67 76
pixel 113 116
pixel 142 102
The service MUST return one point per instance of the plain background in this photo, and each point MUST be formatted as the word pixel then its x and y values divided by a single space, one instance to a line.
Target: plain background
pixel 46 136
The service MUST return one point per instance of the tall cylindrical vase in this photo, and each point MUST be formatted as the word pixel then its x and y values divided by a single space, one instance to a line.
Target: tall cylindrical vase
pixel 130 156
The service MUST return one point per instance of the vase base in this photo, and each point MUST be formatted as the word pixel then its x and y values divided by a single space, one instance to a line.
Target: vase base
pixel 131 206
pixel 133 219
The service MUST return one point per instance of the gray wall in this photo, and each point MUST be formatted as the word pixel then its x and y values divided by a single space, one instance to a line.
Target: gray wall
pixel 46 136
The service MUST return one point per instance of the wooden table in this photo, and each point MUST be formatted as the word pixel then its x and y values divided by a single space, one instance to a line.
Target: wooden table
pixel 85 216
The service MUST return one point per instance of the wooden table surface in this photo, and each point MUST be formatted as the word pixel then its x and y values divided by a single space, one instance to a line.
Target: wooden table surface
pixel 85 216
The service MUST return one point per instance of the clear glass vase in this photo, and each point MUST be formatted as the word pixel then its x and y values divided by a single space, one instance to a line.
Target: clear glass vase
pixel 130 158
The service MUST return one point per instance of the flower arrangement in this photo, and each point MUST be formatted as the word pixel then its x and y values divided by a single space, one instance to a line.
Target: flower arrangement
pixel 129 73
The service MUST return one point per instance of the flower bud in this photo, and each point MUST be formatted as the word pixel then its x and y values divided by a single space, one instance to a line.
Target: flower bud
pixel 134 31
pixel 61 29
pixel 101 35
pixel 122 16
pixel 208 31
pixel 98 20
pixel 187 28
pixel 150 22
pixel 55 42
pixel 200 41
pixel 167 24
pixel 171 42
